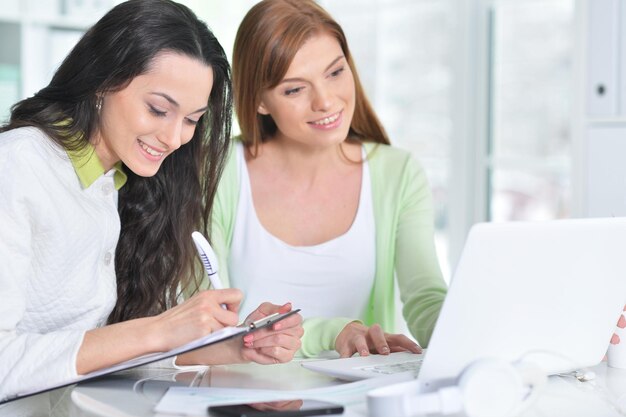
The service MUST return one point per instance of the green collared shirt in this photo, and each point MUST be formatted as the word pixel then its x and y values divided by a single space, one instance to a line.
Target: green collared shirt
pixel 89 168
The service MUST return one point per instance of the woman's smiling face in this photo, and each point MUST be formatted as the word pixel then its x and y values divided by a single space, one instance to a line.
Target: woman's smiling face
pixel 314 103
pixel 154 114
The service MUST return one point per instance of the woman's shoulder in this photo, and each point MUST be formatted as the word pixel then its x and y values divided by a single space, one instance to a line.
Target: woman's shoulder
pixel 22 143
pixel 25 139
pixel 30 150
pixel 395 173
pixel 390 157
pixel 28 157
pixel 229 178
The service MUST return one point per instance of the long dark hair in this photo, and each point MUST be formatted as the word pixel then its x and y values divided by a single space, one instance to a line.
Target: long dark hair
pixel 155 255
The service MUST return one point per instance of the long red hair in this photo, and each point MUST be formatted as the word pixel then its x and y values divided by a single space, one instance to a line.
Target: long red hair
pixel 267 40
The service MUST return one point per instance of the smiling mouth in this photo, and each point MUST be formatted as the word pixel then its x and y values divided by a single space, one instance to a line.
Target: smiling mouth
pixel 327 120
pixel 149 150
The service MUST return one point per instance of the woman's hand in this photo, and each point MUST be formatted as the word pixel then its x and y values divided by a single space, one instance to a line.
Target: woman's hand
pixel 357 338
pixel 621 323
pixel 270 345
pixel 277 344
pixel 199 316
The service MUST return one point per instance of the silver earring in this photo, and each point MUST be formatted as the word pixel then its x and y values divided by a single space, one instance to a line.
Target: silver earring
pixel 99 104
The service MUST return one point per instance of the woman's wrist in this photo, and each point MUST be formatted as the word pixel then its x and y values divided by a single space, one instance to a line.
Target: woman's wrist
pixel 149 333
pixel 115 343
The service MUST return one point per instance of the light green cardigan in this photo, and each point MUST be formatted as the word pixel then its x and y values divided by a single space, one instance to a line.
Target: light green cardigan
pixel 403 214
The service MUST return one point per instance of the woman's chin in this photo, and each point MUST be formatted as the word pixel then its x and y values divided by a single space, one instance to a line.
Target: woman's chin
pixel 145 170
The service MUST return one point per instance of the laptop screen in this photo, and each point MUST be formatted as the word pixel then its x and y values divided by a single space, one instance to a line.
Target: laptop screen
pixel 549 293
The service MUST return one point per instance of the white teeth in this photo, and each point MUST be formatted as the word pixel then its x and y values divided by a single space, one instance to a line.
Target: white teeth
pixel 327 120
pixel 150 150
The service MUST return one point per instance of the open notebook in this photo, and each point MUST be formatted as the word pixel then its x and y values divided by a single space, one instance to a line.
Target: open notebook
pixel 218 336
pixel 548 292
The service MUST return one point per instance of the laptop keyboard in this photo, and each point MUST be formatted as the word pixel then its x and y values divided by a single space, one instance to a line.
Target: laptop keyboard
pixel 394 368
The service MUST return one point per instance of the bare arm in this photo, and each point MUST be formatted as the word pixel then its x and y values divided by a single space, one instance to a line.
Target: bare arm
pixel 197 317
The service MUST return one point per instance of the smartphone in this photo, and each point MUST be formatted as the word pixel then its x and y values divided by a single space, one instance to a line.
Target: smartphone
pixel 290 408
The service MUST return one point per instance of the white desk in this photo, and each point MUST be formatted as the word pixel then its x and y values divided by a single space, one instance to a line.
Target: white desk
pixel 134 393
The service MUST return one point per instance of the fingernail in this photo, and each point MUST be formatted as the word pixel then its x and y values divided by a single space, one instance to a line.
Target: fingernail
pixel 385 349
pixel 278 326
pixel 615 339
pixel 364 352
pixel 248 338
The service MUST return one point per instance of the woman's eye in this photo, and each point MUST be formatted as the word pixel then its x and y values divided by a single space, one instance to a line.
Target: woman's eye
pixel 293 91
pixel 192 122
pixel 157 112
pixel 337 72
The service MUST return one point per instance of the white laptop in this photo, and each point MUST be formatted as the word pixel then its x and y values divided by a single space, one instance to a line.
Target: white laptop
pixel 547 292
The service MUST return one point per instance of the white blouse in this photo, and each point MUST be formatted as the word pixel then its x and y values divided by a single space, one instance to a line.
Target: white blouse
pixel 332 279
pixel 57 273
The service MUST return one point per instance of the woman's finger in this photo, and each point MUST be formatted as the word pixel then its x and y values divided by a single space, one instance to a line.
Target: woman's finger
pixel 399 342
pixel 254 356
pixel 295 320
pixel 280 340
pixel 277 354
pixel 345 349
pixel 615 339
pixel 268 355
pixel 231 297
pixel 378 340
pixel 210 301
pixel 266 309
pixel 296 331
pixel 361 346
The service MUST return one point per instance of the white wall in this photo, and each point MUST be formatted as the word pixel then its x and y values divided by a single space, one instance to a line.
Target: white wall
pixel 602 109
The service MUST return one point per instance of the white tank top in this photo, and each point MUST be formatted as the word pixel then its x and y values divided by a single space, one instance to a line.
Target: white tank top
pixel 332 279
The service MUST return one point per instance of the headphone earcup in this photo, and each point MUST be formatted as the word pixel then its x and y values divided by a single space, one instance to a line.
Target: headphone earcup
pixel 485 388
pixel 491 388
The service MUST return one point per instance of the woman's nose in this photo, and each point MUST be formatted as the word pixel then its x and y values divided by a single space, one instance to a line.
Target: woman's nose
pixel 172 135
pixel 322 101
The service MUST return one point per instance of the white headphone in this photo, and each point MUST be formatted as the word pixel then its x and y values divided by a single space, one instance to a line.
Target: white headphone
pixel 486 388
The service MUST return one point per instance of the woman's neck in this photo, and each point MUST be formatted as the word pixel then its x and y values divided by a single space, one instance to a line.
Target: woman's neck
pixel 306 161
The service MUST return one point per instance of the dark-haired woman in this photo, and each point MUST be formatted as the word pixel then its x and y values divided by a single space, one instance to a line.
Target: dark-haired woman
pixel 106 173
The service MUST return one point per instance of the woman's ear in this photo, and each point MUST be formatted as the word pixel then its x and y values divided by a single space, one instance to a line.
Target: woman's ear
pixel 262 109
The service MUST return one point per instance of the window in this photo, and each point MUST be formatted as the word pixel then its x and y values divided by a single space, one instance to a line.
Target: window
pixel 402 50
pixel 480 92
pixel 531 94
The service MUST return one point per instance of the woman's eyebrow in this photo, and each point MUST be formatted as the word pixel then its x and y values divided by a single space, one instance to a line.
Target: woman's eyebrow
pixel 288 80
pixel 175 103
